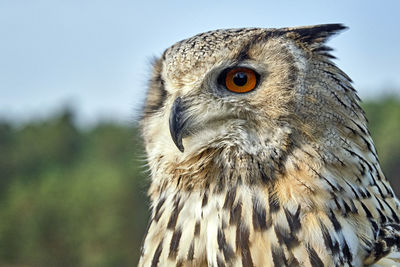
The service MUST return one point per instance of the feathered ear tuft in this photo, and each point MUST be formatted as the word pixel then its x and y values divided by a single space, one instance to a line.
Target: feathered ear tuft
pixel 317 34
pixel 313 38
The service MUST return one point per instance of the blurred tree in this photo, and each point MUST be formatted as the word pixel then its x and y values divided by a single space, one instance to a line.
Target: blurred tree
pixel 7 136
pixel 384 124
pixel 38 146
pixel 73 198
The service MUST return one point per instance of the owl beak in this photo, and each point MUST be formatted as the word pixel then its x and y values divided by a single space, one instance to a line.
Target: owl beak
pixel 177 123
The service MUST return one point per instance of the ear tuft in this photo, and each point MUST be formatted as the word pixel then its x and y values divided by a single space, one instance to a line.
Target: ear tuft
pixel 313 38
pixel 317 34
pixel 314 35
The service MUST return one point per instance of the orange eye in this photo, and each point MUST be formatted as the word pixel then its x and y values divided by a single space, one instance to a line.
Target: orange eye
pixel 241 80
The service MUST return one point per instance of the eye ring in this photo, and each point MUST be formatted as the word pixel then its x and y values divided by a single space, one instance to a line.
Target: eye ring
pixel 240 79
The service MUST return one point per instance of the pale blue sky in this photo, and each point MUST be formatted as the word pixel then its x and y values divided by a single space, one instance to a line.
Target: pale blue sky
pixel 94 55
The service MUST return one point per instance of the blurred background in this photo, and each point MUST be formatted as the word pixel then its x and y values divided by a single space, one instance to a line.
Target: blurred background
pixel 73 76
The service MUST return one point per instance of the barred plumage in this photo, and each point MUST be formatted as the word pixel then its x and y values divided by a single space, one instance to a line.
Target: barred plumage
pixel 283 175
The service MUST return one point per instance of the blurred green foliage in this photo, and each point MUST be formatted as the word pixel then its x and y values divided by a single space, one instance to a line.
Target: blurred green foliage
pixel 73 197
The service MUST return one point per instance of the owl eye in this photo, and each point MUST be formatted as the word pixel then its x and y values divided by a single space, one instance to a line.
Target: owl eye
pixel 240 80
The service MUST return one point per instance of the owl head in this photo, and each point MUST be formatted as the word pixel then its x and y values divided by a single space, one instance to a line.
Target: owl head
pixel 251 90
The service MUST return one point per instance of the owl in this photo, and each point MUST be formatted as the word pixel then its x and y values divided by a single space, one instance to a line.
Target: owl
pixel 259 155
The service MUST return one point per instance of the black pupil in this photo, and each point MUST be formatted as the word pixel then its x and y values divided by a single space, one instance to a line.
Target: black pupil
pixel 240 78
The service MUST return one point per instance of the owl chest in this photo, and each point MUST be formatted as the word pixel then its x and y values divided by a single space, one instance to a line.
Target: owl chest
pixel 236 227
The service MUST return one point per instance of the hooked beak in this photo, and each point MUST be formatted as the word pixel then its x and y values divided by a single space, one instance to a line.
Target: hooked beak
pixel 177 122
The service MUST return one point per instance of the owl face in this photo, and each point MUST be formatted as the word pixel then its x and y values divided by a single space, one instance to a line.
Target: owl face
pixel 233 88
